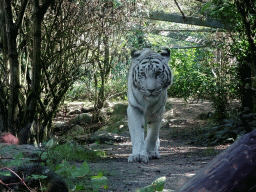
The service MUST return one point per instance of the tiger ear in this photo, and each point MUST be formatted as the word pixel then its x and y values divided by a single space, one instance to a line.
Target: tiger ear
pixel 135 53
pixel 166 54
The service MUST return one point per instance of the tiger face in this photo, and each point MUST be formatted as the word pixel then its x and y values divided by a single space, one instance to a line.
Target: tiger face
pixel 151 73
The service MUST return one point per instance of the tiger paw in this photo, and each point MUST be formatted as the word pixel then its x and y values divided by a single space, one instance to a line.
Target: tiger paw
pixel 153 154
pixel 138 158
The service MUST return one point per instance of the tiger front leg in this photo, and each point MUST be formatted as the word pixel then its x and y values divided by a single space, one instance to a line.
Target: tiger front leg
pixel 152 140
pixel 136 127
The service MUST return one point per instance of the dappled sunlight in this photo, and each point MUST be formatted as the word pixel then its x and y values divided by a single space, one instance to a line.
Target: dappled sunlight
pixel 184 174
pixel 221 147
pixel 178 150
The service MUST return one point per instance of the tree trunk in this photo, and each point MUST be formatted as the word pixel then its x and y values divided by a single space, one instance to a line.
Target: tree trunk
pixel 104 72
pixel 4 79
pixel 248 64
pixel 11 34
pixel 232 170
pixel 245 76
pixel 33 99
pixel 36 61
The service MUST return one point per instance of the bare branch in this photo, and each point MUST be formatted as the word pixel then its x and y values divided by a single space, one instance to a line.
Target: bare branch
pixel 184 17
pixel 21 14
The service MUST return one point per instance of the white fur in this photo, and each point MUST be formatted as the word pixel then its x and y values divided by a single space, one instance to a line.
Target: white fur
pixel 145 109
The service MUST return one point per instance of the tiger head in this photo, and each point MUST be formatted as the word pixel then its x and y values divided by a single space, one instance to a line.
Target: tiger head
pixel 151 73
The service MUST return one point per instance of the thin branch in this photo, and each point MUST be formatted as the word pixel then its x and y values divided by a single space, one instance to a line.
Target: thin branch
pixel 22 181
pixel 21 14
pixel 45 6
pixel 184 17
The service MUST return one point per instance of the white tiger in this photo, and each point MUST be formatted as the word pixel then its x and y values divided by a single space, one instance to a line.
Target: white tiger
pixel 148 80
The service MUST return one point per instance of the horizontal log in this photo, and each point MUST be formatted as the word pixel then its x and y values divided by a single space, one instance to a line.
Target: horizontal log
pixel 232 170
pixel 199 21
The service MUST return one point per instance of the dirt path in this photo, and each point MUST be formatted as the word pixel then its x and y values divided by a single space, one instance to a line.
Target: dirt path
pixel 178 161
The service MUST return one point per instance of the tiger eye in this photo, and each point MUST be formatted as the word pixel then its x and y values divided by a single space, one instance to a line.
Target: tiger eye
pixel 158 73
pixel 143 74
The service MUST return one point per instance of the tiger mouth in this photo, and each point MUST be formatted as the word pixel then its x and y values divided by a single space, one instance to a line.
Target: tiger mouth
pixel 152 94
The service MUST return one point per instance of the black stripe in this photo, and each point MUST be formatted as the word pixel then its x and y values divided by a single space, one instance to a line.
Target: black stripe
pixel 149 58
pixel 137 109
pixel 136 99
pixel 162 104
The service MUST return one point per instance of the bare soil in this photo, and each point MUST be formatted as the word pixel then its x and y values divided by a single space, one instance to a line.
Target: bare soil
pixel 179 161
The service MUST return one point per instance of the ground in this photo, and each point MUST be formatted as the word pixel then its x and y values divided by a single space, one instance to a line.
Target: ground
pixel 179 161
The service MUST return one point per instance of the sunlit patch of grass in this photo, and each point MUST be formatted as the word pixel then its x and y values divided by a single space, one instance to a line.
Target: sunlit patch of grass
pixel 72 151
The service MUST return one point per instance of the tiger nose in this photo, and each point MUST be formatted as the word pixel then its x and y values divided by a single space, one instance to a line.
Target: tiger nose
pixel 151 90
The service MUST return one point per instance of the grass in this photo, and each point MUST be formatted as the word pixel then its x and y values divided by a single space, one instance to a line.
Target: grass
pixel 73 152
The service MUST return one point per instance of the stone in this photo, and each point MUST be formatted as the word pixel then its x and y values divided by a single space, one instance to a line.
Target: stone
pixel 29 152
pixel 165 124
pixel 82 119
pixel 103 137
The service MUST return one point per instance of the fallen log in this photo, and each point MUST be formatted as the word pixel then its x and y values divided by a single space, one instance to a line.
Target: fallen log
pixel 232 170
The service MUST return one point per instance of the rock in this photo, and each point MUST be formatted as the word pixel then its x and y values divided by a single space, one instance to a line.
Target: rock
pixel 8 138
pixel 53 182
pixel 106 104
pixel 204 116
pixel 103 137
pixel 169 114
pixel 165 124
pixel 77 111
pixel 29 152
pixel 232 170
pixel 76 130
pixel 82 118
pixel 178 121
pixel 81 138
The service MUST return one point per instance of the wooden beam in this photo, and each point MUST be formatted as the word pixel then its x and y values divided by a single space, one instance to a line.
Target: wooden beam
pixel 183 37
pixel 189 30
pixel 191 47
pixel 206 22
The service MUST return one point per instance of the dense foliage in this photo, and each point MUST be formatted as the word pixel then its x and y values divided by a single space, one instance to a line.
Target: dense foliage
pixel 40 60
pixel 82 50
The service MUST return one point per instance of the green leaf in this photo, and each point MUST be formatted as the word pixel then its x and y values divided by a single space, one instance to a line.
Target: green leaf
pixel 82 171
pixel 5 173
pixel 157 185
pixel 98 176
pixel 17 160
pixel 50 143
pixel 79 187
pixel 37 176
pixel 99 182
